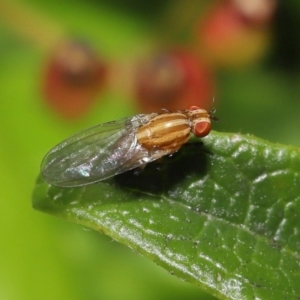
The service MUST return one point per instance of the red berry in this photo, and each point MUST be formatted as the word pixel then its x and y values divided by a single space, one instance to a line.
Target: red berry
pixel 257 12
pixel 227 37
pixel 174 80
pixel 74 75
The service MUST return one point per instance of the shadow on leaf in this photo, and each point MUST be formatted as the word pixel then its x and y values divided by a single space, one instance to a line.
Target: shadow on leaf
pixel 160 176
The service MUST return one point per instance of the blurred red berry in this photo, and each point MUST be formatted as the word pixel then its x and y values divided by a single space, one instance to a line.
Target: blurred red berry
pixel 173 80
pixel 73 77
pixel 230 35
pixel 257 12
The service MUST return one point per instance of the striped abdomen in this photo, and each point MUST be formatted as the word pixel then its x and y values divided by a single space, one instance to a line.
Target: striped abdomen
pixel 168 131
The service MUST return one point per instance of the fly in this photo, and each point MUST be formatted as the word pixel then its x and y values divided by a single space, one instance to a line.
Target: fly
pixel 111 148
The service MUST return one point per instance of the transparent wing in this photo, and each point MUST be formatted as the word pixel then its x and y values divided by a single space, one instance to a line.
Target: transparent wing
pixel 98 153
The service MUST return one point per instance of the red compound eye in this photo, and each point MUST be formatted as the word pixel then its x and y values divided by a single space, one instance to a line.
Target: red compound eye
pixel 202 128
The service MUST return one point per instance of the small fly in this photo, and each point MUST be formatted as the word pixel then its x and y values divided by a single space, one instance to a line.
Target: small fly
pixel 111 148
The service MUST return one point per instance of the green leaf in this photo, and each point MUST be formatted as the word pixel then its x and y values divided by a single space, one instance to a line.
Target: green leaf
pixel 222 214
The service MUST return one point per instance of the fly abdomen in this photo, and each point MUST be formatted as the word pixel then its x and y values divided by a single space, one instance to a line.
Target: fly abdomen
pixel 167 131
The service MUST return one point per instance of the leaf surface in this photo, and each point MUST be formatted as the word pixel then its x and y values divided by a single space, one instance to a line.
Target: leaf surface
pixel 222 213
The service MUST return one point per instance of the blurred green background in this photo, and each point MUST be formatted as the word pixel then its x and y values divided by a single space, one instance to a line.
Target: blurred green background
pixel 45 258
